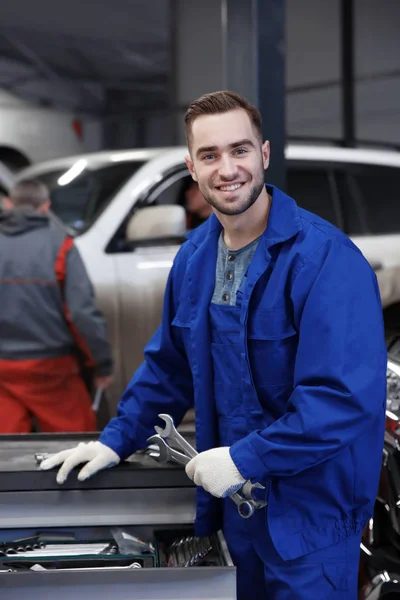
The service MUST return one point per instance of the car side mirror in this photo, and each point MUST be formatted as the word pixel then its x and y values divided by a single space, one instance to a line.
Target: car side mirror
pixel 156 225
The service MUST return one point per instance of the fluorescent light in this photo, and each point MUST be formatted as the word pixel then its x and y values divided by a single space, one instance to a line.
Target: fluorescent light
pixel 73 172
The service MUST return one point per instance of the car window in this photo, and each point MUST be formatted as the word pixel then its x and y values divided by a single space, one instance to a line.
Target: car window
pixel 176 187
pixel 312 190
pixel 180 189
pixel 377 189
pixel 355 218
pixel 80 201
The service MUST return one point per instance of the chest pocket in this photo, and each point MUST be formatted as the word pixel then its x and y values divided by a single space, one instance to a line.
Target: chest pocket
pixel 272 343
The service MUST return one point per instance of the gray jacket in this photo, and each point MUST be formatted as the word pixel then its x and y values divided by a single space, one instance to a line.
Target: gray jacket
pixel 41 315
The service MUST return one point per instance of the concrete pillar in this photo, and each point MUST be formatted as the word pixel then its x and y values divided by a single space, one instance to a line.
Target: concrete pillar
pixel 236 45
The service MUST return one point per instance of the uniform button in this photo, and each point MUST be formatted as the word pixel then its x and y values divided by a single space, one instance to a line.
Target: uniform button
pixel 229 275
pixel 225 297
pixel 231 257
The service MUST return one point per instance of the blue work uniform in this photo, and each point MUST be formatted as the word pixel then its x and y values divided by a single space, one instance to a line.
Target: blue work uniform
pixel 305 415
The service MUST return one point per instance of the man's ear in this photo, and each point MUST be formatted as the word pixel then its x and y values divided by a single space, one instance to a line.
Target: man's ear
pixel 8 203
pixel 190 166
pixel 45 207
pixel 266 152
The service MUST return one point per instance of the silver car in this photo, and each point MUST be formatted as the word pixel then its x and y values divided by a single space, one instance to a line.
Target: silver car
pixel 126 211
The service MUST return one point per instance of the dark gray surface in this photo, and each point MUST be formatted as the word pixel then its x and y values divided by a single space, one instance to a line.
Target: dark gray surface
pixel 19 471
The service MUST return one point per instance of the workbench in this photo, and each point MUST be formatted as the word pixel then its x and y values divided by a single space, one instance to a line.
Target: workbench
pixel 139 494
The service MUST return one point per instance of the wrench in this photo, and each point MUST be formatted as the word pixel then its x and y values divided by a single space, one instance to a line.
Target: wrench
pixel 170 432
pixel 247 492
pixel 245 507
pixel 166 454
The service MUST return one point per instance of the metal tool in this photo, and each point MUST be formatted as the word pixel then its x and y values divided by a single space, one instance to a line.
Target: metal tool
pixel 40 456
pixel 134 565
pixel 169 432
pixel 165 453
pixel 188 551
pixel 247 492
pixel 97 399
pixel 67 550
pixel 246 506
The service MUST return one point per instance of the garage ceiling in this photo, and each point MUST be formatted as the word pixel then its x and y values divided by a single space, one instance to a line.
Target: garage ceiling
pixel 76 54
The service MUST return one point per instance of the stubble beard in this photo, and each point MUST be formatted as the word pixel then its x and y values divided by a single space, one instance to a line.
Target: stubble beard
pixel 226 208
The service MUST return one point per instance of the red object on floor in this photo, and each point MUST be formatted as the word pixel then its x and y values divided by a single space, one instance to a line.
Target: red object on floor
pixel 51 390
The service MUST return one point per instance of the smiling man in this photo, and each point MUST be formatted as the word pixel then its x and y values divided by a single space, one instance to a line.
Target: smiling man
pixel 272 328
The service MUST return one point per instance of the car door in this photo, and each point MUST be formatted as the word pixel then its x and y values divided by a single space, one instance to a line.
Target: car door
pixel 372 204
pixel 312 186
pixel 142 274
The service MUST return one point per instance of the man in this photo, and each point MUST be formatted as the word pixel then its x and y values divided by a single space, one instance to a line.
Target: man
pixel 272 326
pixel 197 208
pixel 48 314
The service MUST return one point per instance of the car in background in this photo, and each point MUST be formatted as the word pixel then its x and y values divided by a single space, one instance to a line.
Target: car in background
pixel 31 133
pixel 125 210
pixel 7 179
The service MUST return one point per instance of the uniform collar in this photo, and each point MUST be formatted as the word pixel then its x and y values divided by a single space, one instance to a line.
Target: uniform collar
pixel 283 221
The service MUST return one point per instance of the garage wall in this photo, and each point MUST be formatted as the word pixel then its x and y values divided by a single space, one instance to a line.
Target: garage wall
pixel 313 59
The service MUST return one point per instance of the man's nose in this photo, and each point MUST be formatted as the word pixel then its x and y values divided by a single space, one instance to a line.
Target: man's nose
pixel 227 168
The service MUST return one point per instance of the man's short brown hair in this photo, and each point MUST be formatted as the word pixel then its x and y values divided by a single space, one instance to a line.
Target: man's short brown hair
pixel 220 102
pixel 29 192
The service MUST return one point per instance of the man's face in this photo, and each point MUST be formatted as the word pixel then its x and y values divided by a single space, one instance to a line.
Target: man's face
pixel 228 161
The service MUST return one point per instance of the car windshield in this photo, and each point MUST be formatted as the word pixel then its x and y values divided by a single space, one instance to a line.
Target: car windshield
pixel 78 199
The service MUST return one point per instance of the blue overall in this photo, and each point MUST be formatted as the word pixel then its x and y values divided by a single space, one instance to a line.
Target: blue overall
pixel 301 392
pixel 261 572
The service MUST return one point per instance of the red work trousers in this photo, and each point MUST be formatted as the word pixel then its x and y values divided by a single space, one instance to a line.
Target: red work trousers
pixel 51 391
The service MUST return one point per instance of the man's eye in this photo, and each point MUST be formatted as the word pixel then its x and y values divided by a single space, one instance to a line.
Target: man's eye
pixel 240 151
pixel 208 156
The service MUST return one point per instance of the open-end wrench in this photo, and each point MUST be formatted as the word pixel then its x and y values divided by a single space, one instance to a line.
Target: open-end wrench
pixel 169 432
pixel 165 454
pixel 247 492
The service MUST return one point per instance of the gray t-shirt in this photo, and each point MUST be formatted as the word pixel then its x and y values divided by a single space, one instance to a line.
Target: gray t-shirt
pixel 231 266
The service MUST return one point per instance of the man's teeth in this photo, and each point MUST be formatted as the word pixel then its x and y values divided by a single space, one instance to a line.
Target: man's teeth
pixel 231 188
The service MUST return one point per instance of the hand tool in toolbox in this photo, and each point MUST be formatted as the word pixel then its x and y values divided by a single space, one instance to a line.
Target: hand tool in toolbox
pixel 188 551
pixel 244 500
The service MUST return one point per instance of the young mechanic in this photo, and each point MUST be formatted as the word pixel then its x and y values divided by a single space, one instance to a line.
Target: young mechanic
pixel 272 327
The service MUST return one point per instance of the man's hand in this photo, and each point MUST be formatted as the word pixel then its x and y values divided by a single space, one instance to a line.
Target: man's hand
pixel 95 454
pixel 103 382
pixel 216 472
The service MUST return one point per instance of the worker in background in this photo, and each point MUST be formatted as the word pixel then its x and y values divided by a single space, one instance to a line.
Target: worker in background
pixel 50 327
pixel 273 329
pixel 197 208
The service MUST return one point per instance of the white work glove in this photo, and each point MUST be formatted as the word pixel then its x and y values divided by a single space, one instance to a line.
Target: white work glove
pixel 216 472
pixel 95 454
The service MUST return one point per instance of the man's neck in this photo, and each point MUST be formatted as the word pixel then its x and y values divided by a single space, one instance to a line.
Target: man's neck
pixel 241 230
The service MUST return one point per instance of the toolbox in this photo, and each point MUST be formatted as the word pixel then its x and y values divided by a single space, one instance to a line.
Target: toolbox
pixel 126 534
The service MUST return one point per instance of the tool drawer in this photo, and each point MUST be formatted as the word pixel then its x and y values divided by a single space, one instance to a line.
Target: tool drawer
pixel 138 499
pixel 73 563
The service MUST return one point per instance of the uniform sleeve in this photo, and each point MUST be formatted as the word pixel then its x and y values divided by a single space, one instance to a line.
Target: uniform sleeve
pixel 85 320
pixel 162 384
pixel 340 368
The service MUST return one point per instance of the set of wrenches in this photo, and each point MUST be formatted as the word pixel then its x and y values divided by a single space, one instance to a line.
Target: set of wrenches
pixel 161 451
pixel 188 551
pixel 67 550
